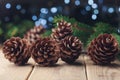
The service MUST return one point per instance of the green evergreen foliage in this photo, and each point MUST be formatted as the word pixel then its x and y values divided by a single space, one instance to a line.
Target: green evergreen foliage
pixel 117 36
pixel 11 29
pixel 118 39
pixel 47 33
pixel 12 32
pixel 101 27
pixel 24 26
pixel 1 31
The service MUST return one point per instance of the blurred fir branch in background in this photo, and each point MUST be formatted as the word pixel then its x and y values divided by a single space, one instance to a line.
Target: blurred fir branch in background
pixel 104 28
pixel 47 33
pixel 118 40
pixel 8 30
pixel 1 30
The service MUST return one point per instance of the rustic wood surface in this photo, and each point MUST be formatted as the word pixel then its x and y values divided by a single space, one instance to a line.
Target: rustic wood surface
pixel 97 72
pixel 83 69
pixel 61 71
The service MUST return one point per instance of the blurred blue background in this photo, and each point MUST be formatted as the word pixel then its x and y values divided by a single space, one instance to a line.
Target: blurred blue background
pixel 43 11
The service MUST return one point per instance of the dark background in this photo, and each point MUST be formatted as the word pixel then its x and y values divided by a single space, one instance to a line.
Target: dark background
pixel 32 7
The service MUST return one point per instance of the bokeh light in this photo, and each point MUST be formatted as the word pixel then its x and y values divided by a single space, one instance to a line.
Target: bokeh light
pixel 88 8
pixel 77 2
pixel 53 10
pixel 111 10
pixel 50 19
pixel 42 21
pixel 44 10
pixel 18 7
pixel 66 1
pixel 119 9
pixel 34 17
pixel 94 6
pixel 90 2
pixel 94 17
pixel 8 6
pixel 96 11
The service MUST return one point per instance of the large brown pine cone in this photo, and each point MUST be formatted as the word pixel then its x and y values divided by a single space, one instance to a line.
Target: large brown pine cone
pixel 63 30
pixel 71 48
pixel 45 51
pixel 34 34
pixel 16 50
pixel 103 49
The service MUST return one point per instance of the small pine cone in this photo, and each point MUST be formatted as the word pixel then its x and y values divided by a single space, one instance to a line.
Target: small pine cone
pixel 45 52
pixel 16 50
pixel 71 48
pixel 34 34
pixel 103 49
pixel 63 30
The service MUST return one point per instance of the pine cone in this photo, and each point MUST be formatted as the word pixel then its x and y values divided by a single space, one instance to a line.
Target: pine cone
pixel 63 30
pixel 103 49
pixel 71 48
pixel 45 52
pixel 16 50
pixel 34 34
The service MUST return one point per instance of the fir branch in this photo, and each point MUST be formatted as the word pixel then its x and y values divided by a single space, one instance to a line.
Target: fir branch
pixel 1 31
pixel 47 33
pixel 118 40
pixel 101 27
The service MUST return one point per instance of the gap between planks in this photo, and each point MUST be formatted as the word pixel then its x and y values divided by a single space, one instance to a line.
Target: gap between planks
pixel 29 74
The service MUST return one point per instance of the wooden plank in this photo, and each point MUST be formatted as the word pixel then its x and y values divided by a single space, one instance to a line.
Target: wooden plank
pixel 97 72
pixel 9 71
pixel 61 71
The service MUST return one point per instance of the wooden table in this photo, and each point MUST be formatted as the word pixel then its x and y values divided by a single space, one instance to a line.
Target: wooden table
pixel 83 69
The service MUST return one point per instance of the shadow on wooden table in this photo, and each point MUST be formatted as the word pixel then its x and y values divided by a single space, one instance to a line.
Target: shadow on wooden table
pixel 112 65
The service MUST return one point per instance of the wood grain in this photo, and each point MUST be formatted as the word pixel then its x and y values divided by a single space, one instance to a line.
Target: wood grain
pixel 97 72
pixel 9 71
pixel 61 71
pixel 83 69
